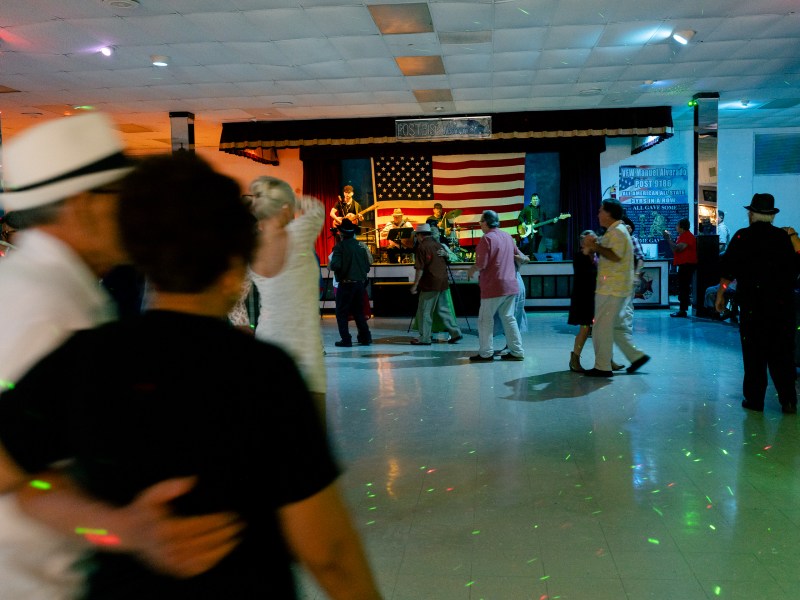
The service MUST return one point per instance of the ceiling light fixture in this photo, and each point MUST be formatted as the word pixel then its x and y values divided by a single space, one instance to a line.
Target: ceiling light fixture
pixel 745 102
pixel 107 50
pixel 122 3
pixel 683 36
pixel 159 60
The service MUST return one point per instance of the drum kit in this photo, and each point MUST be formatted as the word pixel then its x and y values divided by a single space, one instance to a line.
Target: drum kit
pixel 450 235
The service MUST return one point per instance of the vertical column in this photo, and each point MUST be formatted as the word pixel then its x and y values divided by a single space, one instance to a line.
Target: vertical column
pixel 182 131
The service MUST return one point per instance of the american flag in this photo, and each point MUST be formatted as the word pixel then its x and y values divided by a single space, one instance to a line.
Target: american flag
pixel 471 183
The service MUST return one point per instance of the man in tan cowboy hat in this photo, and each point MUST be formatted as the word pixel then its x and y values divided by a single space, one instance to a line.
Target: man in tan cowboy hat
pixel 764 262
pixel 63 178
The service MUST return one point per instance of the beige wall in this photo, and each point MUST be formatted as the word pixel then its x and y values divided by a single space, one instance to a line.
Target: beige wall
pixel 245 170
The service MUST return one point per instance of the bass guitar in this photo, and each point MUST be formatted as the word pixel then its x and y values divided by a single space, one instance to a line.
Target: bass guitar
pixel 526 229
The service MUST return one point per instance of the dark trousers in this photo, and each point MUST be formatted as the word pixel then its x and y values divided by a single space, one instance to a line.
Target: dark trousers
pixel 685 274
pixel 767 343
pixel 350 300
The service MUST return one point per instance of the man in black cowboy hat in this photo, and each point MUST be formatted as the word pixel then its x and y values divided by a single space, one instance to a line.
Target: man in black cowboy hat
pixel 350 262
pixel 764 261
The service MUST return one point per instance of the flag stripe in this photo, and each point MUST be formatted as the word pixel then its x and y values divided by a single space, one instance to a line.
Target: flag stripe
pixel 494 178
pixel 483 196
pixel 460 162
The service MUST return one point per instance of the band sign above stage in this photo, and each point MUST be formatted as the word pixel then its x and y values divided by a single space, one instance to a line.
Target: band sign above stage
pixel 453 128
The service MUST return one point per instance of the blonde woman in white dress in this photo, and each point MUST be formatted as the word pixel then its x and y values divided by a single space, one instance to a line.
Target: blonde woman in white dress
pixel 286 272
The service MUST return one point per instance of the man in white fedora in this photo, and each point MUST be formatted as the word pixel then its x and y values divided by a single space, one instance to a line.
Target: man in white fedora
pixel 63 177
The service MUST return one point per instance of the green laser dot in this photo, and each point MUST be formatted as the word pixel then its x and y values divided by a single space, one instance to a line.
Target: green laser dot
pixel 40 485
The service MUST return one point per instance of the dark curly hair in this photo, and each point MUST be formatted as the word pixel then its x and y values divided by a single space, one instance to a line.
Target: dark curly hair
pixel 182 223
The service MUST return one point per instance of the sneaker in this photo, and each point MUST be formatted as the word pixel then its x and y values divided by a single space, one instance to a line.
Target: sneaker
pixel 417 342
pixel 510 356
pixel 455 340
pixel 365 342
pixel 598 373
pixel 479 358
pixel 616 367
pixel 343 344
pixel 680 314
pixel 639 362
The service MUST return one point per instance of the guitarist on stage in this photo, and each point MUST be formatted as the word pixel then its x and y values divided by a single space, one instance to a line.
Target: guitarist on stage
pixel 346 208
pixel 528 218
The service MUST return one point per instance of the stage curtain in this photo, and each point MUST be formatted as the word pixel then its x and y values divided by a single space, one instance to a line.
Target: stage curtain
pixel 580 189
pixel 321 180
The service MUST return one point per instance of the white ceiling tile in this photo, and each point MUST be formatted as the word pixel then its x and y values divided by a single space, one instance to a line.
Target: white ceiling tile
pixel 262 53
pixel 558 59
pixel 385 83
pixel 57 37
pixel 515 61
pixel 373 67
pixel 227 27
pixel 468 64
pixel 284 24
pixel 785 47
pixel 708 51
pixel 741 28
pixel 461 49
pixel 512 78
pixel 551 76
pixel 327 69
pixel 634 33
pixel 462 16
pixel 514 40
pixel 359 46
pixel 335 21
pixel 394 97
pixel 524 13
pixel 472 93
pixel 573 36
pixel 303 52
pixel 510 92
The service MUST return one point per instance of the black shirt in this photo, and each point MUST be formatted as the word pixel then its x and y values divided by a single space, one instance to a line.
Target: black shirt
pixel 762 261
pixel 171 394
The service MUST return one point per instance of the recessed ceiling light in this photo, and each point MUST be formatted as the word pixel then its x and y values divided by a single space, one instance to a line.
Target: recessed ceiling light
pixel 159 60
pixel 107 50
pixel 122 3
pixel 283 103
pixel 683 36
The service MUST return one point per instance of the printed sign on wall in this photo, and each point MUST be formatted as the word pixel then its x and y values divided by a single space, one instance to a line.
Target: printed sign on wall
pixel 655 198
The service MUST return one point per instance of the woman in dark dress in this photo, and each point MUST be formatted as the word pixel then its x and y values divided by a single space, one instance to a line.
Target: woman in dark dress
pixel 581 307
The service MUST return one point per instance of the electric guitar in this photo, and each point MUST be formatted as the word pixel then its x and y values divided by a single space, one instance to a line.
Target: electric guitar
pixel 526 229
pixel 353 217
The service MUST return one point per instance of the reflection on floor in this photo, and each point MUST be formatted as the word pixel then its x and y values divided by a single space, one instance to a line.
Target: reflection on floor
pixel 521 480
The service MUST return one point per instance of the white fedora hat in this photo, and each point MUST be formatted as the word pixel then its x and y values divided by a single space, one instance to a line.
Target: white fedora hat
pixel 60 158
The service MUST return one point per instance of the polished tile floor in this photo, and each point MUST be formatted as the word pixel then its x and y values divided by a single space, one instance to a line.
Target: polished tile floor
pixel 522 480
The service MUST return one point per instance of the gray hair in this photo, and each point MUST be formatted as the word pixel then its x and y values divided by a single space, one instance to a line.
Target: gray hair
pixel 270 195
pixel 758 217
pixel 490 218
